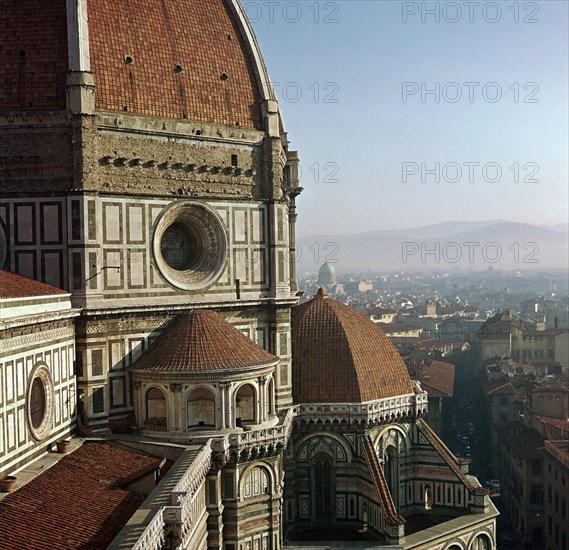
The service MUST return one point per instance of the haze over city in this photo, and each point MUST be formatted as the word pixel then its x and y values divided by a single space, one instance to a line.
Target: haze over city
pixel 337 320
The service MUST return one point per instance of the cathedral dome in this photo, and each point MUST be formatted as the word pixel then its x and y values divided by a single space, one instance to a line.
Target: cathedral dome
pixel 327 274
pixel 171 58
pixel 340 356
pixel 202 341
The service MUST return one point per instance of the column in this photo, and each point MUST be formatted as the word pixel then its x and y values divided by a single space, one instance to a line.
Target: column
pixel 262 413
pixel 139 411
pixel 176 392
pixel 222 412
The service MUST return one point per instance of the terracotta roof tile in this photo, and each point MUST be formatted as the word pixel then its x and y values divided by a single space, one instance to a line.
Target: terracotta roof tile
pixel 341 356
pixel 33 54
pixel 555 428
pixel 200 341
pixel 380 483
pixel 553 387
pixel 437 375
pixel 201 36
pixel 13 285
pixel 76 503
pixel 500 387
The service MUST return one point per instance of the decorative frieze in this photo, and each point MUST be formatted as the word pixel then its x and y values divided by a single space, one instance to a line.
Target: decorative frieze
pixel 183 167
pixel 366 415
pixel 39 337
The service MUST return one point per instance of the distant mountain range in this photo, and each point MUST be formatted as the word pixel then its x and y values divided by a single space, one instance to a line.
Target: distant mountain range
pixel 442 246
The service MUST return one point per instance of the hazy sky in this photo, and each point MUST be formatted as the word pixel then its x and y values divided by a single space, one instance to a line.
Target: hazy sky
pixel 501 106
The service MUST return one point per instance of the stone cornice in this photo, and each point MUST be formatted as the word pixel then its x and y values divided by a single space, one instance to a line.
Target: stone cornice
pixel 167 127
pixel 39 318
pixel 219 375
pixel 150 309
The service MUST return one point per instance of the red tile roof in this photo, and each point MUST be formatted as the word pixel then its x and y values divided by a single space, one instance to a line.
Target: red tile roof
pixel 380 483
pixel 341 356
pixel 201 36
pixel 555 428
pixel 200 341
pixel 500 387
pixel 33 54
pixel 77 503
pixel 437 377
pixel 18 286
pixel 553 387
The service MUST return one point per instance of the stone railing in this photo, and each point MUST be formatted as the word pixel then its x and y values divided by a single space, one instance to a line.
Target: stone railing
pixel 188 503
pixel 192 507
pixel 194 475
pixel 188 496
pixel 275 435
pixel 377 412
pixel 153 536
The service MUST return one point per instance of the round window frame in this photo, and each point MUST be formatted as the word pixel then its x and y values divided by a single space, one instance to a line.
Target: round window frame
pixel 41 371
pixel 212 235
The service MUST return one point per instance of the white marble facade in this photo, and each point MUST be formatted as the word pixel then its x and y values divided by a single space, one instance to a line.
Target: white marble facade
pixel 37 378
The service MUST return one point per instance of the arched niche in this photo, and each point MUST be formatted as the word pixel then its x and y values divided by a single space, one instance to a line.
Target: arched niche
pixel 392 435
pixel 245 405
pixel 201 409
pixel 156 410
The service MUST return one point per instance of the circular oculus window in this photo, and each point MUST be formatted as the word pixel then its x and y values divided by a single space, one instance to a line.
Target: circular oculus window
pixel 39 402
pixel 190 246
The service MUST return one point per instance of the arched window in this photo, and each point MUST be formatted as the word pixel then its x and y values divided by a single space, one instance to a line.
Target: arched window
pixel 156 410
pixel 245 405
pixel 256 483
pixel 323 490
pixel 481 542
pixel 428 497
pixel 201 408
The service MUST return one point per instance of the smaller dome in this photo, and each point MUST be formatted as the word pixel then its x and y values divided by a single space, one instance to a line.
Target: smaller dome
pixel 326 274
pixel 203 341
pixel 341 356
